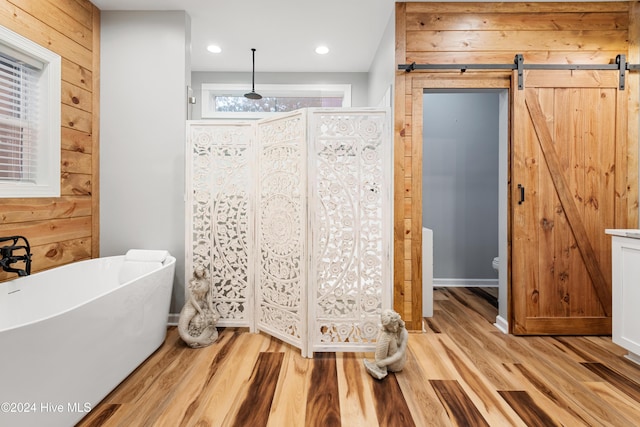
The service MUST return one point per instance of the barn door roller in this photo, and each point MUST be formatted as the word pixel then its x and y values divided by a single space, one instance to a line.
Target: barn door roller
pixel 518 64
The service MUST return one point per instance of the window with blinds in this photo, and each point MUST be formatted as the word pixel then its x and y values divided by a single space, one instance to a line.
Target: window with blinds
pixel 18 119
pixel 29 118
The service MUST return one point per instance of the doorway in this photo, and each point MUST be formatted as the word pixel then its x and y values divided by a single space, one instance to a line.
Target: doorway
pixel 465 189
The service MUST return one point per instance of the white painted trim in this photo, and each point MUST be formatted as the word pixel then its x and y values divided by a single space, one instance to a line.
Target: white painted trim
pixel 173 319
pixel 427 272
pixel 452 283
pixel 502 324
pixel 633 357
pixel 48 141
pixel 268 90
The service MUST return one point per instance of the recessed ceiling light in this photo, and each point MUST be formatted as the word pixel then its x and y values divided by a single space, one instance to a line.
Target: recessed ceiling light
pixel 214 49
pixel 322 50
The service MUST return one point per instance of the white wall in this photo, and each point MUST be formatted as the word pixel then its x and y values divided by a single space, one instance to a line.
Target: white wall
pixel 145 70
pixel 488 199
pixel 383 67
pixel 460 182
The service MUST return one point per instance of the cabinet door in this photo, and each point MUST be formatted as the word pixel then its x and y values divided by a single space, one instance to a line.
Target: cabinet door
pixel 568 185
pixel 626 294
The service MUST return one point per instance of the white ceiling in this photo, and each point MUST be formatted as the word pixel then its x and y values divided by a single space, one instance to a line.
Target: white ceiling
pixel 284 33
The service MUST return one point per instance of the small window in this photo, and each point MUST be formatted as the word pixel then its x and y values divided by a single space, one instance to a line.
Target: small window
pixel 228 101
pixel 29 118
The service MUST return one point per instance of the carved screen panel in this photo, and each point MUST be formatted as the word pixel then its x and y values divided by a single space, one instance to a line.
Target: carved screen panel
pixel 291 216
pixel 218 213
pixel 350 209
pixel 281 264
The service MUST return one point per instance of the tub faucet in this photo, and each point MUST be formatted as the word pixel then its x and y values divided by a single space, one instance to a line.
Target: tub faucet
pixel 8 258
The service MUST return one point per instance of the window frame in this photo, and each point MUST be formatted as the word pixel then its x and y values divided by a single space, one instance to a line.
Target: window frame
pixel 292 90
pixel 48 145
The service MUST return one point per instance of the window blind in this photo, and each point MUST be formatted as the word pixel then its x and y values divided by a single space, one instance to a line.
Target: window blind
pixel 18 118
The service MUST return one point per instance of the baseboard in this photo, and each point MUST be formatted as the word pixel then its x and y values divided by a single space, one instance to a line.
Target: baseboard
pixel 468 283
pixel 633 357
pixel 173 319
pixel 502 324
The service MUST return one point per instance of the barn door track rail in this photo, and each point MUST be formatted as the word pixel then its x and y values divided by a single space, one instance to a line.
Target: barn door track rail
pixel 621 65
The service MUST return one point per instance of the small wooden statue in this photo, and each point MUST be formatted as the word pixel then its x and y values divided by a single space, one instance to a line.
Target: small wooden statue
pixel 198 317
pixel 391 346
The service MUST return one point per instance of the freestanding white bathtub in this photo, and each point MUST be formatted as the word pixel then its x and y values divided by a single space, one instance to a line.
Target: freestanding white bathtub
pixel 70 335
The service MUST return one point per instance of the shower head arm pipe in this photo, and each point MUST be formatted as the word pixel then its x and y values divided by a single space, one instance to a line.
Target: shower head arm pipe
pixel 253 70
pixel 253 94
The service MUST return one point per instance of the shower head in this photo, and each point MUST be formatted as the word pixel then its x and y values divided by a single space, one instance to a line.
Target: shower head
pixel 253 94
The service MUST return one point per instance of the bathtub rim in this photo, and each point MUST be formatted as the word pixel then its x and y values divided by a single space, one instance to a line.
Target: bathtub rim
pixel 169 260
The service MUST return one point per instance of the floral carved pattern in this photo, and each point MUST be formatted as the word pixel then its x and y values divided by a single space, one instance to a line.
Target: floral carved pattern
pixel 300 223
pixel 348 152
pixel 220 209
pixel 282 227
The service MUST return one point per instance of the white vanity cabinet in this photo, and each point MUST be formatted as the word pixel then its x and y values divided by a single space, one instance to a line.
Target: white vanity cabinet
pixel 625 249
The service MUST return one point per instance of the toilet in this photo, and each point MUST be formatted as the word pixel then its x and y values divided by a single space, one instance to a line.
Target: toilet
pixel 496 264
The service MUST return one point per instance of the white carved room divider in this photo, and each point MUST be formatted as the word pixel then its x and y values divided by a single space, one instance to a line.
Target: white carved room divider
pixel 292 216
pixel 218 217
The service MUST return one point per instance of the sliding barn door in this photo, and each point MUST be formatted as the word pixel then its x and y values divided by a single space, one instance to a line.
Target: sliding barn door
pixel 568 179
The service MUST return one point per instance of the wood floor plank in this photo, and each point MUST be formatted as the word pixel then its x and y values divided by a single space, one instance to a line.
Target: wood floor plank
pixel 256 406
pixel 480 388
pixel 158 395
pixel 467 329
pixel 460 363
pixel 356 396
pixel 101 415
pixel 478 306
pixel 461 409
pixel 290 400
pixel 572 350
pixel 617 380
pixel 430 326
pixel 603 350
pixel 229 384
pixel 561 407
pixel 564 378
pixel 477 345
pixel 391 408
pixel 421 398
pixel 489 295
pixel 323 401
pixel 527 409
pixel 427 350
pixel 482 362
pixel 507 348
pixel 145 375
pixel 189 393
pixel 620 402
pixel 606 344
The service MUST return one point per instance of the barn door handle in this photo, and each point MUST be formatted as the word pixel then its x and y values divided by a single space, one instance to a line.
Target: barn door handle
pixel 521 189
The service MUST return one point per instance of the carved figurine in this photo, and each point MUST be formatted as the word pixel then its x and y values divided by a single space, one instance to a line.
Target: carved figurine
pixel 198 317
pixel 391 346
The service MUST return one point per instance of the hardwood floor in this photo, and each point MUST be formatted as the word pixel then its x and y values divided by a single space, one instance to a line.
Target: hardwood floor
pixel 461 371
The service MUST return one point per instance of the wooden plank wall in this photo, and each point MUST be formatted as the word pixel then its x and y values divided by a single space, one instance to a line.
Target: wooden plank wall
pixel 64 229
pixel 552 33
